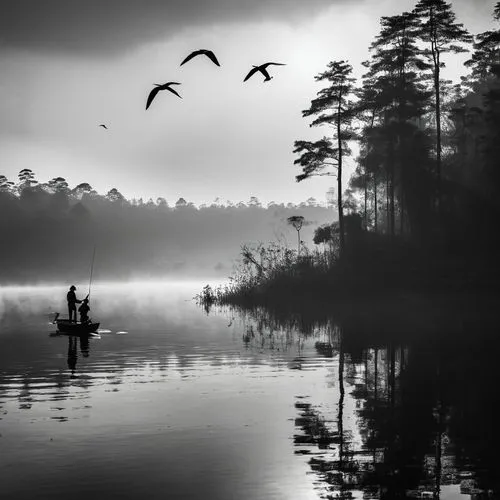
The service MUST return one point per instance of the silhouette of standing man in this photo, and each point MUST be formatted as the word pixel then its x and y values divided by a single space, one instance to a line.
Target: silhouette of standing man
pixel 72 301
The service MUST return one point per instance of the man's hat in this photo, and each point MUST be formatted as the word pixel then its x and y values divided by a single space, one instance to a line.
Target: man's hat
pixel 72 287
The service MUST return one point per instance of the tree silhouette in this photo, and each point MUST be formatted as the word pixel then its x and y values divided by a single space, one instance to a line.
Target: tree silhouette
pixel 315 157
pixel 327 234
pixel 332 107
pixel 6 186
pixel 26 179
pixel 58 185
pixel 296 221
pixel 115 196
pixel 486 55
pixel 254 202
pixel 442 34
pixel 180 203
pixel 162 203
pixel 82 189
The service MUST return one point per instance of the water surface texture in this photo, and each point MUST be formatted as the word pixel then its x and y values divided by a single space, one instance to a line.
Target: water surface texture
pixel 169 402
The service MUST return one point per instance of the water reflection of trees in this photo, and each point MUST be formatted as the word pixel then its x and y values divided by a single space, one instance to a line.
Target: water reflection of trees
pixel 424 411
pixel 273 340
pixel 283 331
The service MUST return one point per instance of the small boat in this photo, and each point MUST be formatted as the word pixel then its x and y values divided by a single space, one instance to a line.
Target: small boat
pixel 67 326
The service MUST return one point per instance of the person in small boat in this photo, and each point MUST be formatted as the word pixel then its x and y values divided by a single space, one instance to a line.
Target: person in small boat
pixel 72 301
pixel 84 310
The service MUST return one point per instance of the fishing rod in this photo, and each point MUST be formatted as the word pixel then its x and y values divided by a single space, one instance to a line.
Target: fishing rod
pixel 91 271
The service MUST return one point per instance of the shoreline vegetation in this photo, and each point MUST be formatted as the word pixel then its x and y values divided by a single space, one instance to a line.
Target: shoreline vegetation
pixel 373 268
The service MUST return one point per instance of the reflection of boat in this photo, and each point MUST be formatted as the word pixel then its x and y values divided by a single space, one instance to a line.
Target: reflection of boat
pixel 67 326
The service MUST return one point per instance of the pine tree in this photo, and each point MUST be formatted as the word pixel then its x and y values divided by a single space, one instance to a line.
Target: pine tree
pixel 333 107
pixel 441 34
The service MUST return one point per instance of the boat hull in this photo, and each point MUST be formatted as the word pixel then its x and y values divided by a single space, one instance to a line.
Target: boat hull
pixel 66 326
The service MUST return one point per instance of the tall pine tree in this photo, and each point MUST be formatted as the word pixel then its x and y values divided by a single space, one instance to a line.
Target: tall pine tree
pixel 334 107
pixel 441 34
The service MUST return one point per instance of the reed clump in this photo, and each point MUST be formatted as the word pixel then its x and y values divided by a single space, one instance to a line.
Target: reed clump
pixel 265 271
pixel 372 266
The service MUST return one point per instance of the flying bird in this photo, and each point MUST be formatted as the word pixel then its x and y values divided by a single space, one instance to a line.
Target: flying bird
pixel 103 126
pixel 158 87
pixel 263 69
pixel 206 52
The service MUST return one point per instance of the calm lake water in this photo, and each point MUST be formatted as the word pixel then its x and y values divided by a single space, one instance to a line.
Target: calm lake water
pixel 171 402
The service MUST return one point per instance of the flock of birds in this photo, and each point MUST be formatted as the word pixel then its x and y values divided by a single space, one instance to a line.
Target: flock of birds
pixel 168 85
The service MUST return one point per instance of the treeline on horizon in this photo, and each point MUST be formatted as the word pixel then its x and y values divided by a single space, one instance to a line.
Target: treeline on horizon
pixel 49 229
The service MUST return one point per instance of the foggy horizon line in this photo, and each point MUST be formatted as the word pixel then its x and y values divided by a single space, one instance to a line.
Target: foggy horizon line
pixel 61 185
pixel 96 284
pixel 263 203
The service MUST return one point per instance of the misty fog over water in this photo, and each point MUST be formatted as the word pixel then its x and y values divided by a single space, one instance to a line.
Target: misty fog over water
pixel 232 404
pixel 50 232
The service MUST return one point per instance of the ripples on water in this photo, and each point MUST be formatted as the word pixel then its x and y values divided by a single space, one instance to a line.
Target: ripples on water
pixel 168 402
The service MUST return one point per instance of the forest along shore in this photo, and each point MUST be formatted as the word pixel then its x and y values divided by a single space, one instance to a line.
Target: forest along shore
pixel 420 214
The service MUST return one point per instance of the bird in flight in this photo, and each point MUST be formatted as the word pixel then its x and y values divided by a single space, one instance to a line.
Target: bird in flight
pixel 263 69
pixel 208 53
pixel 103 126
pixel 158 87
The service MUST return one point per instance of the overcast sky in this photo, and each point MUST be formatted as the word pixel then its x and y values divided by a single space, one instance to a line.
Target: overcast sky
pixel 69 65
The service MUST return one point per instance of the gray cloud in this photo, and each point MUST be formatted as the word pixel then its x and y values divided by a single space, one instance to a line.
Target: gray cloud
pixel 103 26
